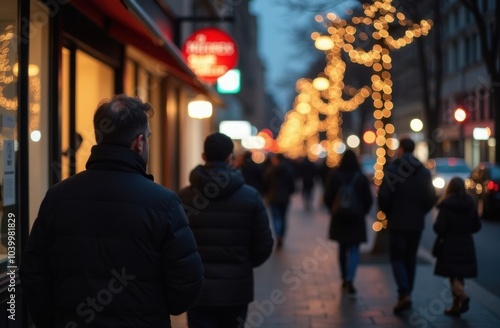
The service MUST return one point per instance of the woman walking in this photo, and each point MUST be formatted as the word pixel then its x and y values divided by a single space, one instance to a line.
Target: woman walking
pixel 347 225
pixel 456 257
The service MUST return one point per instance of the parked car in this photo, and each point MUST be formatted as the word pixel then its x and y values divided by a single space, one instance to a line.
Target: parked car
pixel 443 169
pixel 484 186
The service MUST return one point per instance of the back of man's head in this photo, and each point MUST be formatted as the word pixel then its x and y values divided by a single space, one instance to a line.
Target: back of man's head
pixel 217 147
pixel 120 120
pixel 407 145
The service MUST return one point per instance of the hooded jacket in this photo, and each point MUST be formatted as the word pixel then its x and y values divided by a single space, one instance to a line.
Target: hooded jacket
pixel 456 222
pixel 406 194
pixel 110 248
pixel 232 231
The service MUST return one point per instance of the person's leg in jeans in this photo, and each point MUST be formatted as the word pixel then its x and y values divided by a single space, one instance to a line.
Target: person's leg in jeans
pixel 342 250
pixel 278 223
pixel 397 250
pixel 353 261
pixel 413 241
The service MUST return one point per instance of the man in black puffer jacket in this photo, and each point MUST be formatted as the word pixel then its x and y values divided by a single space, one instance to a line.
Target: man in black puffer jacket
pixel 111 248
pixel 405 196
pixel 232 231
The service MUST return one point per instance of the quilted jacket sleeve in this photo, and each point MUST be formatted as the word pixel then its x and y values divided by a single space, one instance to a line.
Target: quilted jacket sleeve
pixel 35 273
pixel 181 263
pixel 262 240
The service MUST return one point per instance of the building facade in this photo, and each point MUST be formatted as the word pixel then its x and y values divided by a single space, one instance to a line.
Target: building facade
pixel 58 60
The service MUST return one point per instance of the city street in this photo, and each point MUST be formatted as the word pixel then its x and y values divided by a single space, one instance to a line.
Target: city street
pixel 299 286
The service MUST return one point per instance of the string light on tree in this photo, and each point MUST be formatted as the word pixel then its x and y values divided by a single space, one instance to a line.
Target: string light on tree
pixel 323 96
pixel 382 17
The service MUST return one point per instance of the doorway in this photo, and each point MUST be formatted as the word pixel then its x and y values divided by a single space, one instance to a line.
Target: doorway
pixel 85 82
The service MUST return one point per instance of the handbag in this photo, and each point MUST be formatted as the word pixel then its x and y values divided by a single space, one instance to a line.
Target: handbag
pixel 437 248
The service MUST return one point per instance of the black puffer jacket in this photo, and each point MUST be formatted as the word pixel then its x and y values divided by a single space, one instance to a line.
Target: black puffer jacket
pixel 406 194
pixel 456 222
pixel 110 248
pixel 232 231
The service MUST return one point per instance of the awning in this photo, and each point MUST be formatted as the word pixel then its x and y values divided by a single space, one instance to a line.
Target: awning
pixel 146 26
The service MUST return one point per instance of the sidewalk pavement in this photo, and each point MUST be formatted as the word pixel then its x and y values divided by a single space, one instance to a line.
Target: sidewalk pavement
pixel 299 286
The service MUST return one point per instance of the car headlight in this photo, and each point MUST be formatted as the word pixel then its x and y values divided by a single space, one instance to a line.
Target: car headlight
pixel 438 182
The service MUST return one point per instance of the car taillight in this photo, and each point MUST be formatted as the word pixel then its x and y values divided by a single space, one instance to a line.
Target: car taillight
pixel 493 186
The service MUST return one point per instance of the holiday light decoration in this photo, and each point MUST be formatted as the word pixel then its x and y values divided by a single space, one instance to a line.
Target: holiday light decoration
pixel 381 22
pixel 384 21
pixel 8 78
pixel 321 97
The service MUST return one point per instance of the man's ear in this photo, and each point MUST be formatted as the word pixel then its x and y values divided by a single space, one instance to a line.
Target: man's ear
pixel 204 157
pixel 138 144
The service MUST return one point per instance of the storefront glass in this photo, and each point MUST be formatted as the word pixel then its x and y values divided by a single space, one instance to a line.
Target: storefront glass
pixel 38 106
pixel 94 82
pixel 9 225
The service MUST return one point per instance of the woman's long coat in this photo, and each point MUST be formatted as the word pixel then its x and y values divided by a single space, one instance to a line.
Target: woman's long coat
pixel 456 222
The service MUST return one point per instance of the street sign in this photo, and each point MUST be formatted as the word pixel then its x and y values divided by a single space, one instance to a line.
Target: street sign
pixel 210 53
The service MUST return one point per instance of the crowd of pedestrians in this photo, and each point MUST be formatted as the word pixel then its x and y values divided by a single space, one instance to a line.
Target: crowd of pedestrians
pixel 111 248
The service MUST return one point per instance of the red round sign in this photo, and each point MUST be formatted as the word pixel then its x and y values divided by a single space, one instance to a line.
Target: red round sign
pixel 210 53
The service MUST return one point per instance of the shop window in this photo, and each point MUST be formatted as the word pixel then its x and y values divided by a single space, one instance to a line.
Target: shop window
pixel 9 222
pixel 94 81
pixel 38 107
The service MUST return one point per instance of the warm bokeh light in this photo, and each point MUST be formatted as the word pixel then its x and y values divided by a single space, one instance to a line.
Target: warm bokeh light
pixel 321 83
pixel 353 141
pixel 416 125
pixel 460 115
pixel 369 137
pixel 324 43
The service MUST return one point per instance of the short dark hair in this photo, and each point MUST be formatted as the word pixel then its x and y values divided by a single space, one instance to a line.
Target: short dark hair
pixel 119 120
pixel 217 147
pixel 407 145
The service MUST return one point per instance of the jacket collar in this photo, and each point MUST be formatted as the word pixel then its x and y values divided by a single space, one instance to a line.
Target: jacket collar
pixel 118 158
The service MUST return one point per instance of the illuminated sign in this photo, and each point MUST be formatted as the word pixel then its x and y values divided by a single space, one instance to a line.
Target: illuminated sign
pixel 229 83
pixel 210 53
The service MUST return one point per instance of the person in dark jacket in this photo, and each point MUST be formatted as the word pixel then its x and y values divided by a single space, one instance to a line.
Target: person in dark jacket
pixel 278 186
pixel 231 227
pixel 349 231
pixel 405 196
pixel 457 220
pixel 110 247
pixel 308 174
pixel 251 171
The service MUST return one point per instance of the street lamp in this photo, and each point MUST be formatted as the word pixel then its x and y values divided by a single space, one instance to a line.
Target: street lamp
pixel 460 116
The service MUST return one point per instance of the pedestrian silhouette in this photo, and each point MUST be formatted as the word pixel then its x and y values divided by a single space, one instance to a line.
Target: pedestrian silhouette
pixel 232 230
pixel 308 174
pixel 457 220
pixel 405 196
pixel 348 226
pixel 251 171
pixel 110 247
pixel 278 186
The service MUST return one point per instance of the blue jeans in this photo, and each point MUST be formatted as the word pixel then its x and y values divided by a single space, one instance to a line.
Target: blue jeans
pixel 403 247
pixel 278 212
pixel 217 317
pixel 348 260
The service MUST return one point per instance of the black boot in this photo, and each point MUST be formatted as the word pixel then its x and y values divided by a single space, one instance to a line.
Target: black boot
pixel 455 307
